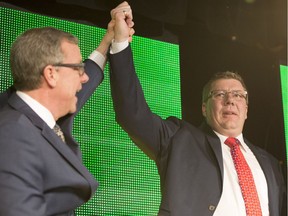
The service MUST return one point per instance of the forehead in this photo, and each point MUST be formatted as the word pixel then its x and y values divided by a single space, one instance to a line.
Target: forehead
pixel 227 84
pixel 71 51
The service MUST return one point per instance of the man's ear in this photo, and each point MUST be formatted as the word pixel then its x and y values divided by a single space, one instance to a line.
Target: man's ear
pixel 246 111
pixel 204 109
pixel 50 75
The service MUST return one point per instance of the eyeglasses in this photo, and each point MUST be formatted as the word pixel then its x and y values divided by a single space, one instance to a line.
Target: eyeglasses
pixel 79 67
pixel 237 95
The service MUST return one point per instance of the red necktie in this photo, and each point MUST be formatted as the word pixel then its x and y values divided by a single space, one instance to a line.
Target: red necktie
pixel 245 177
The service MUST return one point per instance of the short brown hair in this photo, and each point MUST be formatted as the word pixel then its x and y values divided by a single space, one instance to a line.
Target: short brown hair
pixel 218 76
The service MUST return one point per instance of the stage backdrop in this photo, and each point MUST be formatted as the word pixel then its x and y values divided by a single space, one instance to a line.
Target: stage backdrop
pixel 129 182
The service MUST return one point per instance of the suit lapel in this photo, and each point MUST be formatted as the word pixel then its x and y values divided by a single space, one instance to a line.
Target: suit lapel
pixel 215 145
pixel 71 157
pixel 268 171
pixel 18 104
pixel 216 148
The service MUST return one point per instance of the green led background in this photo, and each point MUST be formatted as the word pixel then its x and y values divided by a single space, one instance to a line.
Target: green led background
pixel 129 183
pixel 284 87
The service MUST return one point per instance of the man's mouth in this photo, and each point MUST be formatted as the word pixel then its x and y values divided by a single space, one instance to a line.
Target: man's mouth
pixel 229 113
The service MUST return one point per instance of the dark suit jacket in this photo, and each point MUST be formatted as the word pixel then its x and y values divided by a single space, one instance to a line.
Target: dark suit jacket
pixel 39 174
pixel 189 159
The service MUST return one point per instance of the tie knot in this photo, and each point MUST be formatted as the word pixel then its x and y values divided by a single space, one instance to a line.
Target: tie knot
pixel 59 132
pixel 56 127
pixel 232 142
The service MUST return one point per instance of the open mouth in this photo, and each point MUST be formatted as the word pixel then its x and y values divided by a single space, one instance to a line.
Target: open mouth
pixel 229 113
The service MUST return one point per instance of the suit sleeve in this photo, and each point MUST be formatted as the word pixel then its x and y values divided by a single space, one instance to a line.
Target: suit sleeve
pixel 96 76
pixel 146 129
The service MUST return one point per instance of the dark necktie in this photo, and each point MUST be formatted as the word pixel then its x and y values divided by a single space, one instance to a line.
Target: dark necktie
pixel 59 132
pixel 245 177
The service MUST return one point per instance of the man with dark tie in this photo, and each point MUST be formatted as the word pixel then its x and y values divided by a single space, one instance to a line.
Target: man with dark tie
pixel 206 170
pixel 41 172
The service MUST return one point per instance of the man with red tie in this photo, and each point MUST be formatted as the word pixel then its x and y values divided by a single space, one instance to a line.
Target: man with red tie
pixel 203 171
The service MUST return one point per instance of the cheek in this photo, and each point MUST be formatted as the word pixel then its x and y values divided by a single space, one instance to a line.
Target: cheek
pixel 212 111
pixel 72 85
pixel 214 108
pixel 242 110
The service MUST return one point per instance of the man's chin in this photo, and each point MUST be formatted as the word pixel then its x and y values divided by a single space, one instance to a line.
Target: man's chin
pixel 74 106
pixel 73 110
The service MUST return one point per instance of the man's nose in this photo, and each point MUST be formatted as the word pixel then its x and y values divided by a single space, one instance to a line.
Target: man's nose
pixel 229 99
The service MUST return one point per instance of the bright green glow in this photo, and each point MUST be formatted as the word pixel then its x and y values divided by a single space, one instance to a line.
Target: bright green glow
pixel 129 182
pixel 284 87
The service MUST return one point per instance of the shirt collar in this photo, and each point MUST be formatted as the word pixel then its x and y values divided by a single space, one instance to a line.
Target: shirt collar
pixel 239 137
pixel 38 108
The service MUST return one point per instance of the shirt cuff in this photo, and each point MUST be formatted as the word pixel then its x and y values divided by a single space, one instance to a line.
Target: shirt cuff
pixel 118 46
pixel 98 58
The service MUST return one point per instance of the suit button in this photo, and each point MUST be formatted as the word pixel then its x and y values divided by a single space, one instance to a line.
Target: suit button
pixel 212 208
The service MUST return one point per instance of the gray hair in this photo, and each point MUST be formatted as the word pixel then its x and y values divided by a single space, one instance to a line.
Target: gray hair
pixel 32 51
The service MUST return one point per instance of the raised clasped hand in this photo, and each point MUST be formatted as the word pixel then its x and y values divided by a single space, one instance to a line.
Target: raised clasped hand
pixel 122 20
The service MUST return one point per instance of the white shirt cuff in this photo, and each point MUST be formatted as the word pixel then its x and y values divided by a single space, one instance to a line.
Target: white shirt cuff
pixel 118 46
pixel 98 58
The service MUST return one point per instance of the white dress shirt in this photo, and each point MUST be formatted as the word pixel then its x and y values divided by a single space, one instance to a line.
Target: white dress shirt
pixel 231 201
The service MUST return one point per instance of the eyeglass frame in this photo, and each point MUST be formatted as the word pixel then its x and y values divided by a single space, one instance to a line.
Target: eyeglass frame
pixel 242 93
pixel 79 67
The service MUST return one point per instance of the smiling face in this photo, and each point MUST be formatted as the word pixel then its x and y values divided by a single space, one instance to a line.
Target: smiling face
pixel 69 80
pixel 226 115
